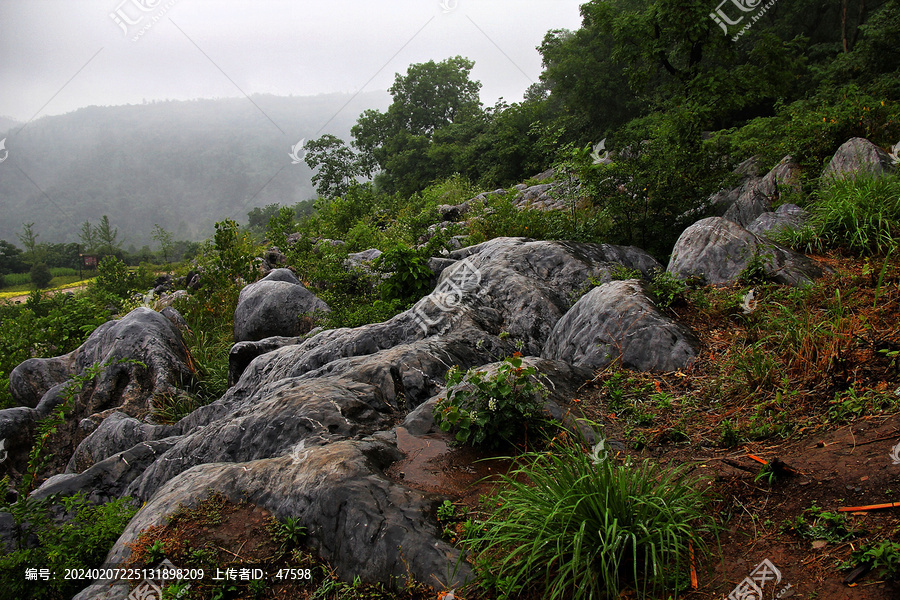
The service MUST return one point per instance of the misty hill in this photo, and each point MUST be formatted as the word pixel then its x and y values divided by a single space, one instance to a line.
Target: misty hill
pixel 181 164
pixel 7 123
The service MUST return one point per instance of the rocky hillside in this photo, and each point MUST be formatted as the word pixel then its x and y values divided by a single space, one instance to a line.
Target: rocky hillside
pixel 317 422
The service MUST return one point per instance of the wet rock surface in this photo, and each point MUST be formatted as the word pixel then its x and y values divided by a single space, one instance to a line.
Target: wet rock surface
pixel 273 306
pixel 718 251
pixel 618 322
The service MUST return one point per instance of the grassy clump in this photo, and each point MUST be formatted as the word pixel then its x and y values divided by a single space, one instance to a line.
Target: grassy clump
pixel 585 526
pixel 859 215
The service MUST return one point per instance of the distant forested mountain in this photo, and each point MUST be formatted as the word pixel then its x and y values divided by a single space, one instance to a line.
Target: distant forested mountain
pixel 181 164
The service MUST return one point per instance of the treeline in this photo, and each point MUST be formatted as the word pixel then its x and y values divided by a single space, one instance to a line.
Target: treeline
pixel 39 260
pixel 692 92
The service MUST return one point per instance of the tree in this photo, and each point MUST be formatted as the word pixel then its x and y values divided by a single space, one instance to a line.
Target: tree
pixel 29 239
pixel 40 275
pixel 10 258
pixel 429 97
pixel 165 241
pixel 258 218
pixel 106 237
pixel 88 237
pixel 338 166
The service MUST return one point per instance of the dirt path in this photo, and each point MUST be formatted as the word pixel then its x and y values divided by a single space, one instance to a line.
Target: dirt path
pixel 24 297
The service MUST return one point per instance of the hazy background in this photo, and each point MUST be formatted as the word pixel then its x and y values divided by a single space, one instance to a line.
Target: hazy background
pixel 225 48
pixel 149 152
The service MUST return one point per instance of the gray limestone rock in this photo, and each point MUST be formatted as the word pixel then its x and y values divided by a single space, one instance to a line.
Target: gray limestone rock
pixel 273 306
pixel 717 251
pixel 617 321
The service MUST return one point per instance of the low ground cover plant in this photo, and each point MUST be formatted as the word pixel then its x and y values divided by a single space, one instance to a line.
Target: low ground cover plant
pixel 490 410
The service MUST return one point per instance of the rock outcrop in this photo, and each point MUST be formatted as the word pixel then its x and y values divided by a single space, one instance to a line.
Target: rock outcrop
pixel 618 322
pixel 145 357
pixel 273 306
pixel 717 251
pixel 755 194
pixel 307 429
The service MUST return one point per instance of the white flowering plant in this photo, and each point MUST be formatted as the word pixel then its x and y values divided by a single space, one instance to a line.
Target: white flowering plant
pixel 486 410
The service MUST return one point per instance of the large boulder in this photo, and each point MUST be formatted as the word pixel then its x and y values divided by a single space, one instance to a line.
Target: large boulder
pixel 273 306
pixel 755 194
pixel 369 526
pixel 718 251
pixel 618 322
pixel 859 155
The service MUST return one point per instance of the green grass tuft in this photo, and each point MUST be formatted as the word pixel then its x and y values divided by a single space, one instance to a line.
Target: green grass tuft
pixel 585 526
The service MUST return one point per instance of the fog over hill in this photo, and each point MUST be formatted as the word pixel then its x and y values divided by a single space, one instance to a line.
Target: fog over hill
pixel 181 164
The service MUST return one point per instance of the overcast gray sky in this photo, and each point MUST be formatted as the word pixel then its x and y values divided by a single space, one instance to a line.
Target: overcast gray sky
pixel 60 55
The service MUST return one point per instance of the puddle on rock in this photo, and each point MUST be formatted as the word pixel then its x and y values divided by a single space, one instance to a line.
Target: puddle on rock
pixel 431 464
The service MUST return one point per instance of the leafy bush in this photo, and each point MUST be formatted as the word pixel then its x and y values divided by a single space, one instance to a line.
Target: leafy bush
pixel 80 542
pixel 858 214
pixel 811 130
pixel 883 557
pixel 40 275
pixel 582 526
pixel 661 174
pixel 666 288
pixel 489 410
pixel 116 283
pixel 410 276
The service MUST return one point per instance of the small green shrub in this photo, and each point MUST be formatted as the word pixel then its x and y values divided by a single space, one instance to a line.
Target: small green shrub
pixel 883 558
pixel 667 289
pixel 582 526
pixel 410 276
pixel 818 524
pixel 487 410
pixel 40 276
pixel 81 541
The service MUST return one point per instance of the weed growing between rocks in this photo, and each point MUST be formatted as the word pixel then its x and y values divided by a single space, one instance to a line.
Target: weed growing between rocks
pixel 44 542
pixel 570 523
pixel 859 215
pixel 491 410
